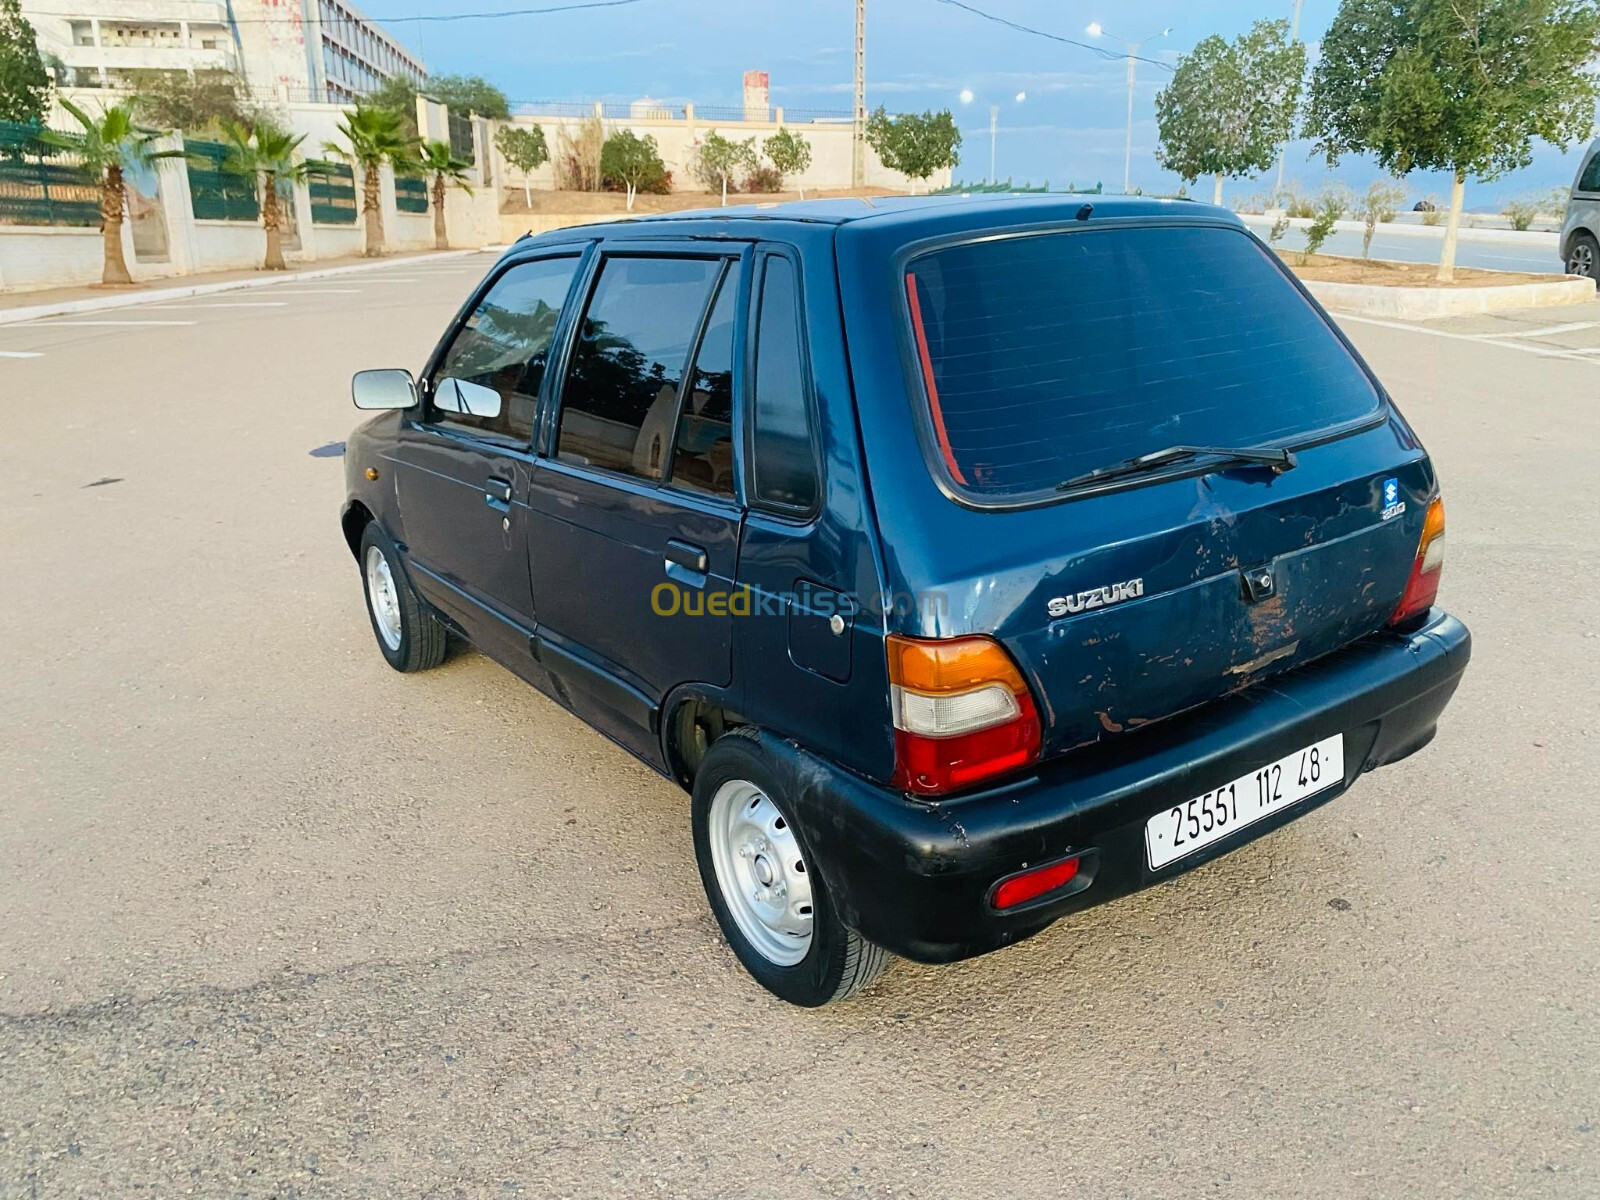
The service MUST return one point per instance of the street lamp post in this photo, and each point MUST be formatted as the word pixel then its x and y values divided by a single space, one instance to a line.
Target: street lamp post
pixel 1131 50
pixel 966 96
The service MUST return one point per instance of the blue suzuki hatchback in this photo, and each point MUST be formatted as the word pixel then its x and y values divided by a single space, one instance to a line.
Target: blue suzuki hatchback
pixel 971 562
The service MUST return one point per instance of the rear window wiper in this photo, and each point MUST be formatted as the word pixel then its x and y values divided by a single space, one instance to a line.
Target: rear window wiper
pixel 1279 460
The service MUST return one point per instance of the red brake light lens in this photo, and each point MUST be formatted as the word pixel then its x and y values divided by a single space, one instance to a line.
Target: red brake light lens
pixel 1422 588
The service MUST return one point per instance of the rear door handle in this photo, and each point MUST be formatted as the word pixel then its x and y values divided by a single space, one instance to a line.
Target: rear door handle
pixel 497 493
pixel 686 563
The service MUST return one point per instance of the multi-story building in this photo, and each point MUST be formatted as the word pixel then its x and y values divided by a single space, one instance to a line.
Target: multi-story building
pixel 322 50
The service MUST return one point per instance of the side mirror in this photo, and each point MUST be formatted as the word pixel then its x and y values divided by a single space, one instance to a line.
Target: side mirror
pixel 469 399
pixel 391 388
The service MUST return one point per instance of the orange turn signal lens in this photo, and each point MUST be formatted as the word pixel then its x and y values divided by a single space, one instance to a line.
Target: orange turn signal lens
pixel 951 664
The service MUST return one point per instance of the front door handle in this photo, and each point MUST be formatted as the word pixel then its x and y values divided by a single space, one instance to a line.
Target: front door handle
pixel 497 493
pixel 686 563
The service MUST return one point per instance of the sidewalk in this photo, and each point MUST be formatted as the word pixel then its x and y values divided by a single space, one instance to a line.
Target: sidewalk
pixel 30 306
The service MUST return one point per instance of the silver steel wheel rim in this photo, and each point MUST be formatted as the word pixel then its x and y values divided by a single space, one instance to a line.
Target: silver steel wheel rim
pixel 1581 262
pixel 382 598
pixel 761 872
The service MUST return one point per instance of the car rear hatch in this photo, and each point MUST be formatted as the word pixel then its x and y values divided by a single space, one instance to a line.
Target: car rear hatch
pixel 1035 361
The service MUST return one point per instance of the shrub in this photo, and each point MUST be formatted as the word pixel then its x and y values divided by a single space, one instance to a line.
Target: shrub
pixel 1432 214
pixel 1279 227
pixel 1380 203
pixel 630 163
pixel 764 179
pixel 1331 205
pixel 578 154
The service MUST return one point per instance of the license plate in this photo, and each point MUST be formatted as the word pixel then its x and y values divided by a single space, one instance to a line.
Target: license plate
pixel 1195 824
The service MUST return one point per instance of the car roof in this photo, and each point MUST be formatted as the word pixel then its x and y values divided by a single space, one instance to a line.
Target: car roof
pixel 910 216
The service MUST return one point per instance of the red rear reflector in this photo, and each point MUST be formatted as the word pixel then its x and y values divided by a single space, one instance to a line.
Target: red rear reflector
pixel 1030 885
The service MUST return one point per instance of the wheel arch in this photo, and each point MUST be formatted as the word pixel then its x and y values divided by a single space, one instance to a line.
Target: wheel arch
pixel 693 716
pixel 353 521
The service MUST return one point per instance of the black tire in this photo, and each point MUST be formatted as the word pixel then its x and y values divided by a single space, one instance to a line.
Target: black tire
pixel 423 638
pixel 1583 256
pixel 839 962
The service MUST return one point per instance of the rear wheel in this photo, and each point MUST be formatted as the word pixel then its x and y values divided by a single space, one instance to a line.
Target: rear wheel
pixel 1583 256
pixel 764 889
pixel 409 635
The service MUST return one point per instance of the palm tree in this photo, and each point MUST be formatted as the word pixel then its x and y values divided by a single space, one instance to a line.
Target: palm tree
pixel 375 136
pixel 106 147
pixel 439 160
pixel 266 154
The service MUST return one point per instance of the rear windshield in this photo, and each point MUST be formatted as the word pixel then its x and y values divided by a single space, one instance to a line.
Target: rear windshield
pixel 1046 356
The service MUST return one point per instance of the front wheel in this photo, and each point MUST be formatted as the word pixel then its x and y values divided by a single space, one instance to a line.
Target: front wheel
pixel 1583 256
pixel 410 636
pixel 764 889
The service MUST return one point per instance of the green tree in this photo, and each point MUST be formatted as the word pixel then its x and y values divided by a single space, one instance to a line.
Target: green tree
pixel 632 161
pixel 789 153
pixel 398 95
pixel 469 94
pixel 437 160
pixel 373 136
pixel 1230 105
pixel 719 159
pixel 914 145
pixel 266 154
pixel 24 82
pixel 524 149
pixel 106 146
pixel 1462 86
pixel 206 100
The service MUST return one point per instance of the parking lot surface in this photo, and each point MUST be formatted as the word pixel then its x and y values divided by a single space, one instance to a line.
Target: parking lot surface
pixel 278 922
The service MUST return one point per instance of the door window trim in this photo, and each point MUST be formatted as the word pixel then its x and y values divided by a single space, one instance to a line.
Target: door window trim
pixel 742 266
pixel 765 253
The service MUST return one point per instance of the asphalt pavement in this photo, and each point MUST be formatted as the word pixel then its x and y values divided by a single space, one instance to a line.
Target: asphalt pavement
pixel 278 922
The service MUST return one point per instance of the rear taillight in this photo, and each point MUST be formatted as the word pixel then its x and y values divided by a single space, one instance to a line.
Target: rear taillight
pixel 962 713
pixel 1423 586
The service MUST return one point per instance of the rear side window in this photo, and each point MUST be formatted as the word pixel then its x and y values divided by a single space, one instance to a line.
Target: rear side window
pixel 505 345
pixel 1047 356
pixel 784 466
pixel 620 399
pixel 703 458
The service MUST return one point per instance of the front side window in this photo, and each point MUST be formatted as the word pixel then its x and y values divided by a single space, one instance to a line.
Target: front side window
pixel 505 345
pixel 783 467
pixel 620 400
pixel 1589 181
pixel 1047 356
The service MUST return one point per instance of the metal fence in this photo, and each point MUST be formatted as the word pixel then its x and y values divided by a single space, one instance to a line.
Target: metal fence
pixel 410 194
pixel 461 136
pixel 665 110
pixel 41 184
pixel 217 194
pixel 333 194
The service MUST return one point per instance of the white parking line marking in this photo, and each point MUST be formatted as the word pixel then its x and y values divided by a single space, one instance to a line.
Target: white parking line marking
pixel 20 354
pixel 1541 351
pixel 317 292
pixel 238 304
pixel 1547 331
pixel 56 323
pixel 391 281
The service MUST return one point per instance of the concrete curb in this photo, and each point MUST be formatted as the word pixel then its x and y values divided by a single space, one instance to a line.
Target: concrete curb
pixel 34 312
pixel 1526 237
pixel 1423 303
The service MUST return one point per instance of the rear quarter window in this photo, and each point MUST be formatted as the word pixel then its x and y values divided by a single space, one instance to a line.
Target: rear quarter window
pixel 1047 355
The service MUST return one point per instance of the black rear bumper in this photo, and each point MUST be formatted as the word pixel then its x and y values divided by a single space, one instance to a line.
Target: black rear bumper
pixel 915 877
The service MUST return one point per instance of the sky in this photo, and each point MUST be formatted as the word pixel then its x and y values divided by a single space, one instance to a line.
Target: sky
pixel 921 54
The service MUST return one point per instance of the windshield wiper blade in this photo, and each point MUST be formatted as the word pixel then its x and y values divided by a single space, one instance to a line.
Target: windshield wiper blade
pixel 1279 460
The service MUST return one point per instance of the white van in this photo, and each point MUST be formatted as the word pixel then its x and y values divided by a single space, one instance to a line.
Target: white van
pixel 1580 232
